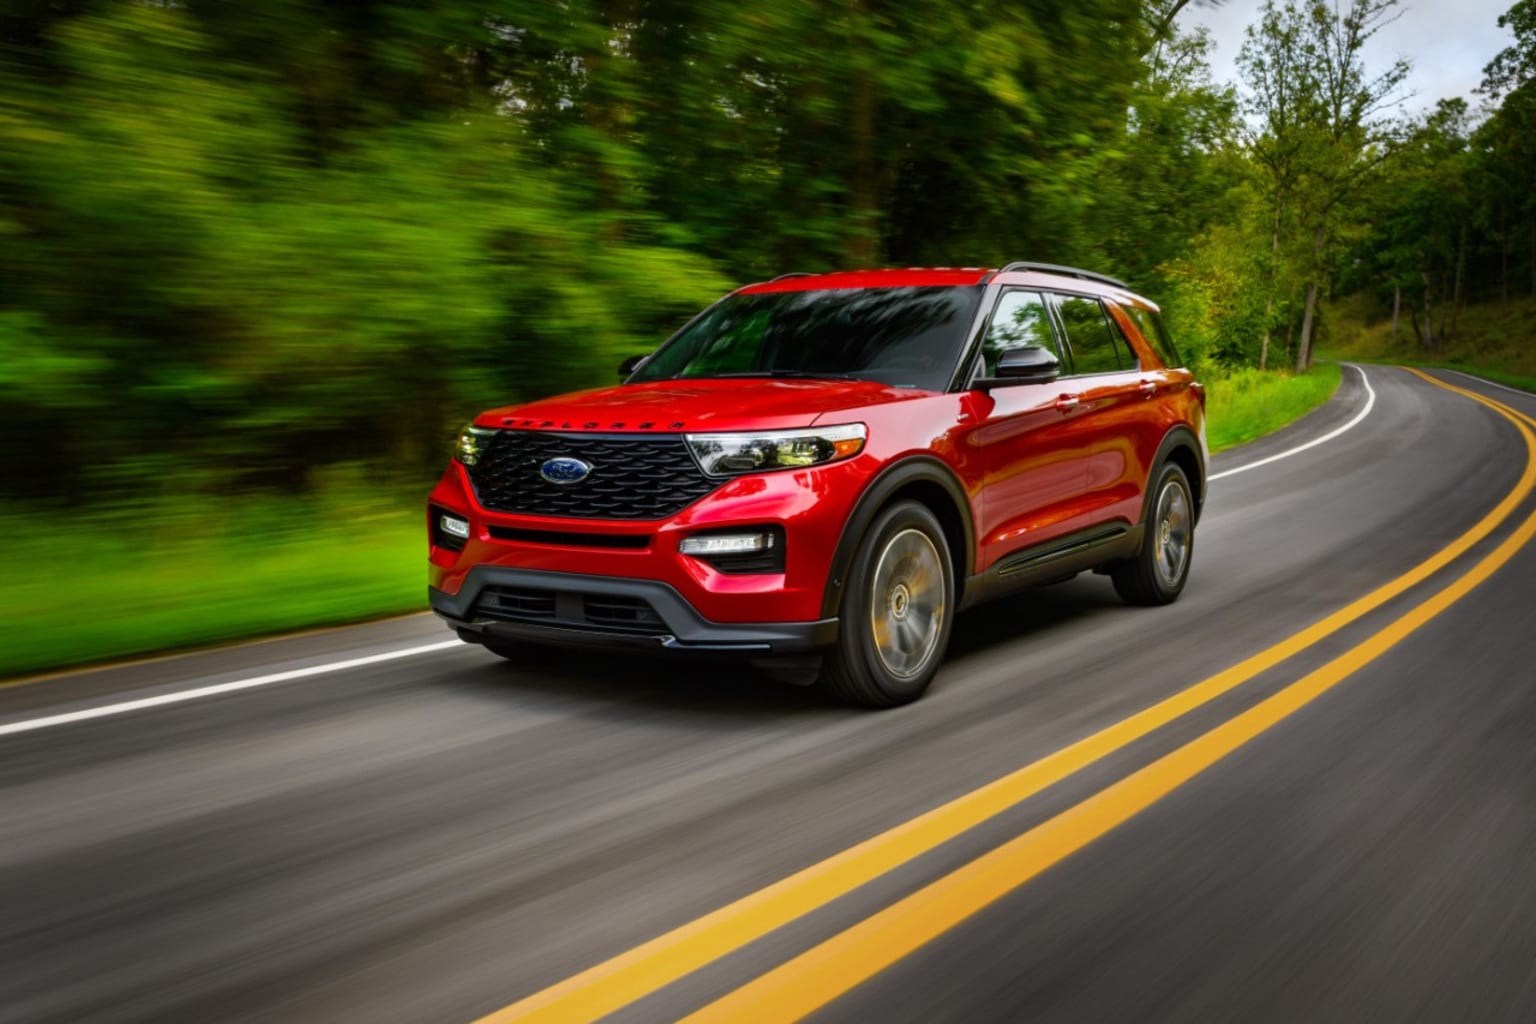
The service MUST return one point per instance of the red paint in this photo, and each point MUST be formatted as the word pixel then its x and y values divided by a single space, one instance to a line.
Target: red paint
pixel 1032 468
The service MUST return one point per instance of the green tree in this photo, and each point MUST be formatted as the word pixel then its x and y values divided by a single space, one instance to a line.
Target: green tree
pixel 1324 129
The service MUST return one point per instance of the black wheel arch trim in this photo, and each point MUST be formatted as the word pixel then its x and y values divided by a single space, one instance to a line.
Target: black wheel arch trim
pixel 1178 436
pixel 912 470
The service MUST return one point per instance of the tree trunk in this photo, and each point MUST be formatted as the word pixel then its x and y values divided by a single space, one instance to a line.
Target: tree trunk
pixel 1269 299
pixel 604 114
pixel 1290 326
pixel 863 183
pixel 1304 346
pixel 1427 343
pixel 1461 267
pixel 1397 309
pixel 1504 273
pixel 1504 257
pixel 1309 318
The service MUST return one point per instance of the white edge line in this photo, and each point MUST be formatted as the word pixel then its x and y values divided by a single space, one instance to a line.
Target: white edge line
pixel 123 707
pixel 1370 403
pixel 1485 380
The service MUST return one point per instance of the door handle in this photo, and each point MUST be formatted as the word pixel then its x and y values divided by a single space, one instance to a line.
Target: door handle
pixel 1066 403
pixel 1148 388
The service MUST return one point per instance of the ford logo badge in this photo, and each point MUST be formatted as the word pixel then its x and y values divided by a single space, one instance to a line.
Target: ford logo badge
pixel 564 471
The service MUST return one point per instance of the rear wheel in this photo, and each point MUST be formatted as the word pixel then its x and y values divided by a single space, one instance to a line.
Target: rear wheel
pixel 898 608
pixel 1157 573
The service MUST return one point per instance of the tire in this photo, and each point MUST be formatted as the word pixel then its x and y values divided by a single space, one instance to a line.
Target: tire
pixel 897 611
pixel 1158 572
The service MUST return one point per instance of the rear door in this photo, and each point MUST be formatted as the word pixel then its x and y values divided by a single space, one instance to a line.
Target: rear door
pixel 1114 413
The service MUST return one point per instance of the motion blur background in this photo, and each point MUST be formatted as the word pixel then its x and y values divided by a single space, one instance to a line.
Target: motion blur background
pixel 258 261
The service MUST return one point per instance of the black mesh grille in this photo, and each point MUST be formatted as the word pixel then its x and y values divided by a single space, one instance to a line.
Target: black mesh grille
pixel 631 478
pixel 516 603
pixel 628 613
pixel 610 613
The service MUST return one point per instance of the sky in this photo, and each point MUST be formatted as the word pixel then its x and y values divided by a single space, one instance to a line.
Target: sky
pixel 1448 41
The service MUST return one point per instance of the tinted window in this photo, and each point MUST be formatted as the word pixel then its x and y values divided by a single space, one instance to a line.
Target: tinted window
pixel 1151 327
pixel 1093 344
pixel 904 336
pixel 1020 319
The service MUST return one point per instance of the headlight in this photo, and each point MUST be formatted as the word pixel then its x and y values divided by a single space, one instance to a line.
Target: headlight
pixel 473 441
pixel 729 454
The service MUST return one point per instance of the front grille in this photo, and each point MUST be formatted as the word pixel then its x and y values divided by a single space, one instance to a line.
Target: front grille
pixel 629 613
pixel 609 613
pixel 643 477
pixel 516 604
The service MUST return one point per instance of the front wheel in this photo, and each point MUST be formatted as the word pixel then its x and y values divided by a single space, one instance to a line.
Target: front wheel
pixel 1157 573
pixel 898 607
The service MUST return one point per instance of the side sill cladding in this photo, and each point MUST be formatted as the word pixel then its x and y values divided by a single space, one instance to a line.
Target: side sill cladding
pixel 923 477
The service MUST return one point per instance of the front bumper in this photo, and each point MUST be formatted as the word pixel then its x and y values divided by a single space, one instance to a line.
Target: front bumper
pixel 580 609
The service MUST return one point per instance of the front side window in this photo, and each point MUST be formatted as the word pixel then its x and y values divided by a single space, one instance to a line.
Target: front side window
pixel 909 337
pixel 1020 319
pixel 1089 336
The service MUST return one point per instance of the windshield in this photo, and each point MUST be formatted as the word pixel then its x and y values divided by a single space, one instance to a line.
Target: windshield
pixel 910 337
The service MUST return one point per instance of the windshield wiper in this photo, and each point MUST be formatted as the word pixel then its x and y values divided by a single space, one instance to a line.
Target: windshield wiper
pixel 794 374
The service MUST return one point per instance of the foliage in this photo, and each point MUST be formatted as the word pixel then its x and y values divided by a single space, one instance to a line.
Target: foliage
pixel 1492 338
pixel 1322 135
pixel 179 580
pixel 1247 403
pixel 242 243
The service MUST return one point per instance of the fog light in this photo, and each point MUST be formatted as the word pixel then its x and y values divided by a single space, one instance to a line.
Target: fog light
pixel 453 526
pixel 726 544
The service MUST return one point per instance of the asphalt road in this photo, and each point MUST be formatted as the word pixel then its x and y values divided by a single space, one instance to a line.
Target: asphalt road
pixel 434 837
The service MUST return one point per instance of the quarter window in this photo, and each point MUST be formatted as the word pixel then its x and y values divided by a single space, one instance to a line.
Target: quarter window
pixel 1019 320
pixel 1151 327
pixel 1089 336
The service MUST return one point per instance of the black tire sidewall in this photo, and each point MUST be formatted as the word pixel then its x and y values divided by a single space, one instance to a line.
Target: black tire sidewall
pixel 1169 470
pixel 855 639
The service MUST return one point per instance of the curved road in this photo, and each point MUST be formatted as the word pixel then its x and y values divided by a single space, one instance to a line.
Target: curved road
pixel 1335 825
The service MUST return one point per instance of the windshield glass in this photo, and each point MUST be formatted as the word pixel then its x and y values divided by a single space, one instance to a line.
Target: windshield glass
pixel 909 337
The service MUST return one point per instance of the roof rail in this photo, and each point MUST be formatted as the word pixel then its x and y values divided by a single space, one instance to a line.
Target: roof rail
pixel 1056 268
pixel 793 273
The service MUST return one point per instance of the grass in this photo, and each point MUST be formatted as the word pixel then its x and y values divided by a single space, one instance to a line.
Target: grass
pixel 99 587
pixel 93 587
pixel 1247 404
pixel 1495 340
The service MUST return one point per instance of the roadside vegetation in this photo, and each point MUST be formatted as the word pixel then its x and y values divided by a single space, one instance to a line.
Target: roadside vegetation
pixel 1247 404
pixel 246 250
pixel 118 584
pixel 160 580
pixel 1496 340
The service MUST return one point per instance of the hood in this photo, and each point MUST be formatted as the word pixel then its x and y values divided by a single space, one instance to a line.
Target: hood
pixel 673 406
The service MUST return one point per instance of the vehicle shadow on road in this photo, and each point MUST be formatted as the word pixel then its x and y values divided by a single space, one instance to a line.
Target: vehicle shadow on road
pixel 620 685
pixel 1037 611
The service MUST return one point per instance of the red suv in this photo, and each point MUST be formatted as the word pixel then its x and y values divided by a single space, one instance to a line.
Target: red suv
pixel 825 468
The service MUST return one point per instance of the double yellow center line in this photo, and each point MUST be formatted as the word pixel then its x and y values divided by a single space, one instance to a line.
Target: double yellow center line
pixel 826 971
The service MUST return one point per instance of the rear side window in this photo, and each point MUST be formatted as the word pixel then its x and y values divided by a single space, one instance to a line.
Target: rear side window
pixel 1019 320
pixel 1095 349
pixel 1151 327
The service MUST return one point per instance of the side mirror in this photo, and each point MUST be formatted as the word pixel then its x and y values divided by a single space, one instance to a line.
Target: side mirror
pixel 1029 364
pixel 630 365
